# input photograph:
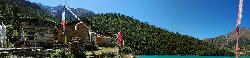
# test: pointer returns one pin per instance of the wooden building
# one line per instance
(36, 33)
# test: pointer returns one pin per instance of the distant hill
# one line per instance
(229, 38)
(57, 11)
(228, 41)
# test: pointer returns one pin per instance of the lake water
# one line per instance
(157, 56)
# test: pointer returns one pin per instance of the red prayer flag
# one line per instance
(63, 21)
(119, 38)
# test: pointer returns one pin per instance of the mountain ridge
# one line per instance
(56, 11)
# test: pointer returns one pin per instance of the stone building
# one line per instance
(80, 31)
(46, 34)
(104, 39)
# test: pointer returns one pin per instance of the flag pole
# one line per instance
(64, 29)
(236, 47)
(237, 27)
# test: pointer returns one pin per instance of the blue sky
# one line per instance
(198, 18)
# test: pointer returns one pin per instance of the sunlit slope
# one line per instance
(146, 39)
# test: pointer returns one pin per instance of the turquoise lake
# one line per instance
(157, 56)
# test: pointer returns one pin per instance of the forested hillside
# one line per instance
(146, 39)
